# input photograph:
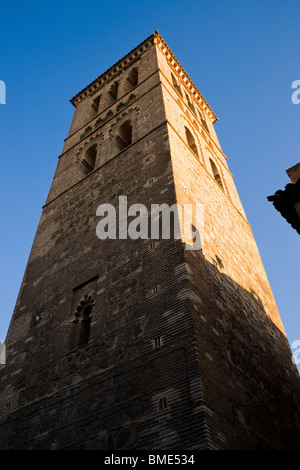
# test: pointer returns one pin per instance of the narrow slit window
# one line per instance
(124, 135)
(154, 290)
(157, 342)
(162, 403)
(37, 319)
(191, 141)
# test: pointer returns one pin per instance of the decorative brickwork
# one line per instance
(141, 343)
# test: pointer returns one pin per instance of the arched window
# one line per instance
(81, 323)
(216, 173)
(190, 104)
(203, 121)
(124, 135)
(175, 84)
(205, 125)
(89, 160)
(191, 141)
(113, 92)
(95, 104)
(133, 78)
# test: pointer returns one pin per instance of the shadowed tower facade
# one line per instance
(145, 342)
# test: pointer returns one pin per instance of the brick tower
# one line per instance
(142, 342)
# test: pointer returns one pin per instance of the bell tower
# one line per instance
(125, 337)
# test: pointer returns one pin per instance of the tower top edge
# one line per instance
(109, 72)
(129, 59)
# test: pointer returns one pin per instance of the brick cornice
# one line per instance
(183, 75)
(132, 57)
(114, 70)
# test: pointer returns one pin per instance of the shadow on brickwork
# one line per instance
(249, 380)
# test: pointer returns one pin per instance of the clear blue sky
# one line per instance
(243, 56)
